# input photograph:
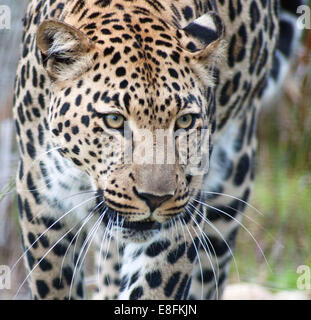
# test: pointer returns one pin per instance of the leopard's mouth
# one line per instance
(145, 225)
(113, 218)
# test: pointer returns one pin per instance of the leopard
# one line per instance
(136, 127)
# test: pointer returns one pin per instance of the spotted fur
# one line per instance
(150, 62)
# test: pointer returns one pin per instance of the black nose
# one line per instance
(153, 201)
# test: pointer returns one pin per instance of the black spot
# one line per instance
(42, 288)
(58, 284)
(123, 84)
(31, 150)
(134, 278)
(192, 251)
(116, 58)
(254, 15)
(120, 71)
(32, 188)
(175, 56)
(238, 143)
(105, 31)
(173, 73)
(80, 289)
(154, 279)
(96, 96)
(45, 265)
(28, 211)
(59, 250)
(75, 130)
(182, 287)
(67, 137)
(76, 162)
(171, 284)
(65, 107)
(127, 100)
(67, 92)
(85, 120)
(220, 247)
(51, 224)
(187, 12)
(78, 100)
(207, 276)
(136, 293)
(176, 86)
(30, 259)
(103, 3)
(44, 241)
(97, 77)
(76, 150)
(157, 247)
(68, 274)
(174, 255)
(242, 170)
(108, 51)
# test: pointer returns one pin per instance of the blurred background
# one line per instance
(282, 192)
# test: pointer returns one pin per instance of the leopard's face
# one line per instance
(132, 111)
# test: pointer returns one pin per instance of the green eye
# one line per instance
(184, 122)
(114, 121)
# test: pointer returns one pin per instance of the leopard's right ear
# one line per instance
(203, 42)
(66, 50)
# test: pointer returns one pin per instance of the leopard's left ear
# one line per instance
(203, 39)
(66, 50)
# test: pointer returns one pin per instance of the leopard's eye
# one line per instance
(185, 121)
(114, 121)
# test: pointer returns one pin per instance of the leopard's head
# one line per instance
(132, 105)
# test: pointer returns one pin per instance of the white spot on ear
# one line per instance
(206, 21)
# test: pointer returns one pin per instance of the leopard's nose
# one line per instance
(152, 201)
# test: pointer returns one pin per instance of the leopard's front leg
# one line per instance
(54, 220)
(108, 259)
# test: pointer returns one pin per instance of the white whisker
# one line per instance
(198, 256)
(101, 249)
(235, 198)
(85, 221)
(221, 236)
(242, 225)
(208, 255)
(90, 235)
(28, 275)
(183, 230)
(109, 226)
(43, 233)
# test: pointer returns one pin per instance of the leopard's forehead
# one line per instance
(139, 66)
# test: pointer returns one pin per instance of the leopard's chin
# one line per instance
(130, 231)
(129, 235)
(140, 231)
